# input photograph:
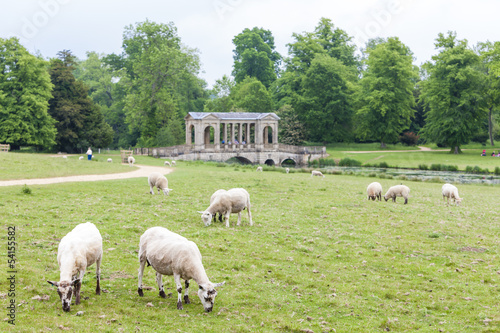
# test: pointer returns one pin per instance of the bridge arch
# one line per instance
(240, 159)
(269, 162)
(289, 162)
(209, 135)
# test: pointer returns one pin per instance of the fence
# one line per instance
(4, 148)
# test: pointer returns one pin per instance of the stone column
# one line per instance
(266, 132)
(217, 136)
(240, 132)
(188, 133)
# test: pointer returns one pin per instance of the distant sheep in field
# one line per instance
(317, 173)
(398, 191)
(158, 180)
(233, 201)
(65, 156)
(80, 158)
(173, 163)
(110, 160)
(287, 170)
(79, 249)
(171, 254)
(451, 191)
(259, 169)
(167, 163)
(374, 191)
(131, 160)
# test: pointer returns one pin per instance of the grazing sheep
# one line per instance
(173, 163)
(158, 180)
(80, 158)
(233, 201)
(374, 191)
(451, 191)
(397, 191)
(171, 254)
(212, 199)
(110, 160)
(131, 160)
(65, 156)
(167, 163)
(259, 169)
(317, 173)
(79, 249)
(287, 170)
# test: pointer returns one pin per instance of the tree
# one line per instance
(220, 99)
(291, 130)
(252, 96)
(386, 96)
(79, 120)
(255, 56)
(452, 92)
(25, 90)
(326, 106)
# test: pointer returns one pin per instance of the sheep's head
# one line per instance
(373, 197)
(386, 198)
(65, 291)
(458, 201)
(166, 191)
(207, 295)
(206, 217)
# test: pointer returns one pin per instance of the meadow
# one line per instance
(320, 257)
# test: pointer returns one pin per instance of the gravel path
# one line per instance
(142, 171)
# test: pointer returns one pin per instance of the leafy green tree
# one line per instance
(220, 99)
(252, 96)
(386, 96)
(291, 130)
(326, 106)
(80, 122)
(453, 93)
(25, 90)
(255, 56)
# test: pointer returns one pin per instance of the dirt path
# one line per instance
(142, 171)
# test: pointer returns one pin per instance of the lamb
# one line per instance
(287, 170)
(110, 160)
(233, 201)
(317, 173)
(131, 160)
(158, 180)
(80, 158)
(167, 163)
(398, 191)
(79, 249)
(173, 163)
(171, 254)
(259, 169)
(212, 199)
(451, 191)
(374, 191)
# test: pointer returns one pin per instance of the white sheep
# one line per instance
(234, 200)
(398, 191)
(173, 163)
(212, 199)
(167, 163)
(287, 170)
(79, 249)
(80, 158)
(65, 156)
(158, 180)
(259, 169)
(451, 191)
(374, 191)
(317, 173)
(131, 160)
(171, 254)
(110, 160)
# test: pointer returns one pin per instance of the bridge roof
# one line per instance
(232, 115)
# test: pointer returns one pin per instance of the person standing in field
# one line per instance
(89, 154)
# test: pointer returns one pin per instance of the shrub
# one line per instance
(497, 171)
(468, 169)
(26, 189)
(349, 162)
(383, 165)
(409, 138)
(436, 167)
(423, 167)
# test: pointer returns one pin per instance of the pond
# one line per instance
(423, 175)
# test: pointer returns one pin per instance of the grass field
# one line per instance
(319, 258)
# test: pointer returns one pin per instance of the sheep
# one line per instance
(287, 170)
(167, 163)
(161, 183)
(65, 156)
(451, 191)
(80, 158)
(79, 249)
(171, 254)
(259, 169)
(398, 191)
(173, 163)
(233, 201)
(110, 160)
(317, 173)
(212, 199)
(374, 191)
(131, 160)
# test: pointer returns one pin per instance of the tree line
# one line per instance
(324, 91)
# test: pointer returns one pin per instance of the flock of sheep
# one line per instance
(172, 254)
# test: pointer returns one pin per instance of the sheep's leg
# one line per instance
(141, 272)
(98, 276)
(249, 214)
(406, 201)
(151, 190)
(160, 285)
(239, 218)
(78, 285)
(226, 217)
(186, 293)
(177, 279)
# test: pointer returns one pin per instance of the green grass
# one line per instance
(319, 256)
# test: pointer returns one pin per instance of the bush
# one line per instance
(383, 165)
(409, 138)
(26, 189)
(497, 171)
(436, 167)
(327, 162)
(349, 162)
(423, 167)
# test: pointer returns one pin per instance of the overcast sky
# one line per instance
(49, 26)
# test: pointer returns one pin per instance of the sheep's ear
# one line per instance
(201, 212)
(219, 284)
(54, 283)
